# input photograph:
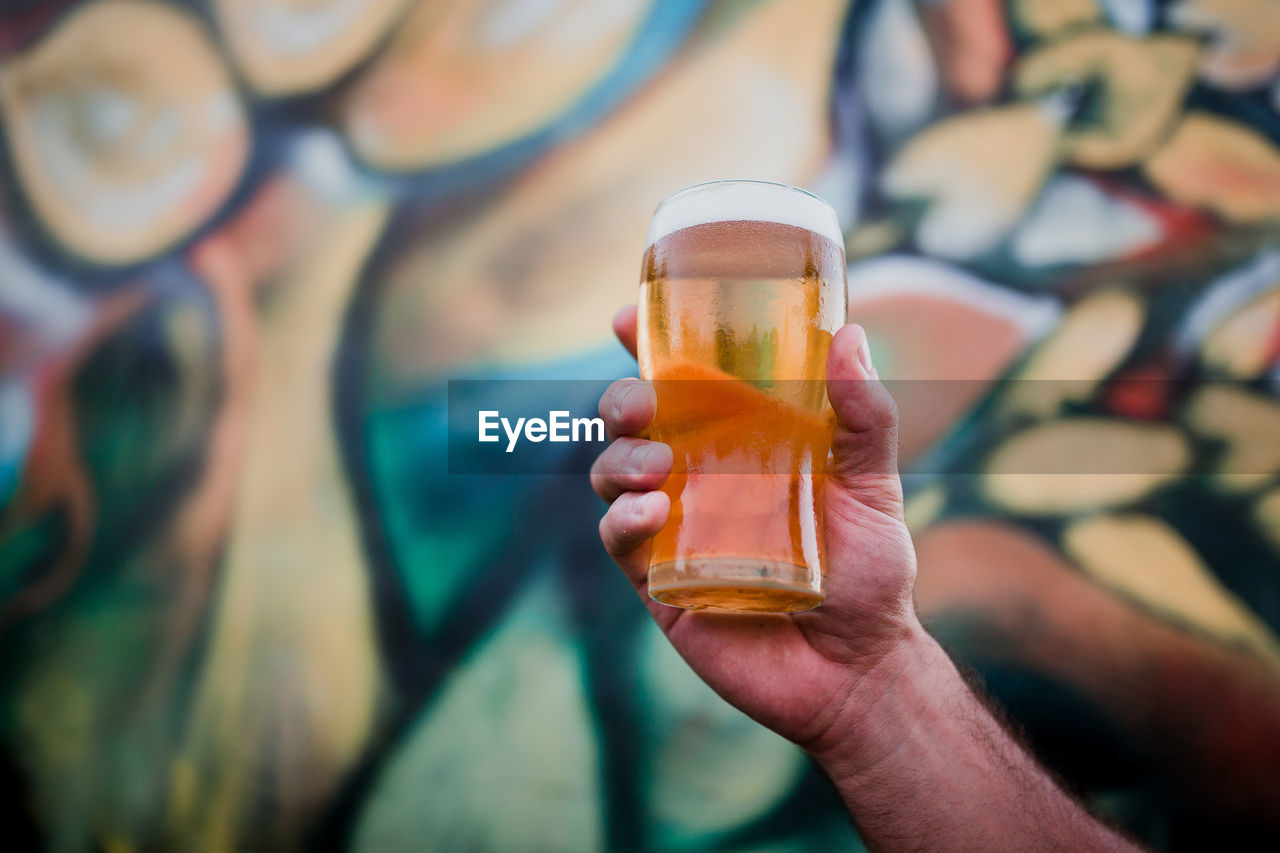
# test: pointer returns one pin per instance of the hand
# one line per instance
(796, 673)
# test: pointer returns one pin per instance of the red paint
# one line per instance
(1144, 392)
(1180, 225)
(971, 39)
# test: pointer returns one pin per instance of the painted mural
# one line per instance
(244, 245)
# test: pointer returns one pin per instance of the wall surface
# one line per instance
(244, 245)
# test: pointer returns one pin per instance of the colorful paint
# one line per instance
(244, 245)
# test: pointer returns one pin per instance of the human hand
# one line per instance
(797, 673)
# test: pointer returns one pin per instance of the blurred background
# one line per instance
(245, 243)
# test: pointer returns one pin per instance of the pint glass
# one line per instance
(743, 287)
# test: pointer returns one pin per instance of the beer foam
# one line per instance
(756, 201)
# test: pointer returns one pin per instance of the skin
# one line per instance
(836, 680)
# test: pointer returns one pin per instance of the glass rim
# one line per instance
(752, 200)
(703, 185)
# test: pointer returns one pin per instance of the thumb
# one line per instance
(864, 446)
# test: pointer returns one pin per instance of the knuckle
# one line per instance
(601, 468)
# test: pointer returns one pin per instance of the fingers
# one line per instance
(628, 406)
(865, 444)
(624, 326)
(629, 471)
(630, 465)
(632, 520)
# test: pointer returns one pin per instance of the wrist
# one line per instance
(866, 725)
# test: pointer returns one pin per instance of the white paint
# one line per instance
(841, 180)
(115, 207)
(39, 300)
(292, 29)
(508, 22)
(966, 225)
(903, 275)
(1226, 294)
(1076, 221)
(593, 22)
(1135, 17)
(109, 115)
(897, 75)
(322, 162)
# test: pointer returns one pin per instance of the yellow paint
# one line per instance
(182, 793)
(1146, 560)
(1266, 513)
(1145, 80)
(55, 715)
(1242, 345)
(712, 768)
(1077, 465)
(1221, 166)
(924, 507)
(872, 238)
(120, 195)
(505, 756)
(1045, 19)
(116, 844)
(539, 272)
(979, 170)
(1096, 335)
(1243, 48)
(190, 341)
(1248, 423)
(278, 69)
(462, 78)
(288, 694)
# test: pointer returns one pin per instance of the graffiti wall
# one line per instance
(244, 245)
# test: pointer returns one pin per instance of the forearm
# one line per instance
(922, 764)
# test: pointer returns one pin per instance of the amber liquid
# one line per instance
(735, 322)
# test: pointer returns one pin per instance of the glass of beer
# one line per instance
(742, 289)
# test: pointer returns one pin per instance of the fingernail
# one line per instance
(640, 456)
(620, 400)
(640, 506)
(864, 357)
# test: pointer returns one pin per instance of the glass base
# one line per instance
(735, 585)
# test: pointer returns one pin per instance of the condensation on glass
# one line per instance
(742, 289)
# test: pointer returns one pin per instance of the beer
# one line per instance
(742, 291)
